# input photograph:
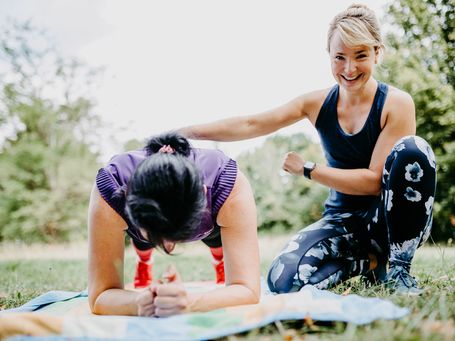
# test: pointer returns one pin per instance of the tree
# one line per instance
(420, 58)
(46, 123)
(284, 202)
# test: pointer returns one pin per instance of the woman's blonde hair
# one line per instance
(357, 25)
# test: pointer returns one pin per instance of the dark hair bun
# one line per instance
(172, 139)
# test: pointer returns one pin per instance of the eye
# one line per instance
(339, 58)
(361, 56)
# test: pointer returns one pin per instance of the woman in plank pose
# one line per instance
(165, 194)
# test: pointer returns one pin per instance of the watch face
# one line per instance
(307, 168)
(309, 165)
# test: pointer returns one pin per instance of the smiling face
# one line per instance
(352, 67)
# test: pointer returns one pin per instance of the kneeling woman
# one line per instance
(171, 193)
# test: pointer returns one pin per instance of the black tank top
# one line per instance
(349, 151)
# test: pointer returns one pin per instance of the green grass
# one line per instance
(431, 318)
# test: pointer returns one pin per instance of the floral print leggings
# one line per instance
(337, 247)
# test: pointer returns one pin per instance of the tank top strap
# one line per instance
(378, 103)
(328, 108)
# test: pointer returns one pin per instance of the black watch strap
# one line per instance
(308, 167)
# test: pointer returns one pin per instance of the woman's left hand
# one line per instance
(293, 163)
(171, 296)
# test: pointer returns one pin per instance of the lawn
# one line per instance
(28, 271)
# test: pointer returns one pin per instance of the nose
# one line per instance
(350, 67)
(169, 246)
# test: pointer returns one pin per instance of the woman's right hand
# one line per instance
(293, 163)
(145, 302)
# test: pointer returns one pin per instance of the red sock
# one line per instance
(217, 253)
(218, 263)
(144, 255)
(143, 277)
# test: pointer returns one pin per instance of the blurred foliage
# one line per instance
(420, 59)
(46, 123)
(284, 202)
(134, 144)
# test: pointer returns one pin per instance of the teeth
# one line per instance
(350, 79)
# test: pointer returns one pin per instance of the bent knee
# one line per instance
(280, 278)
(415, 145)
(412, 149)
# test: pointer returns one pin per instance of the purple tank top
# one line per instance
(218, 174)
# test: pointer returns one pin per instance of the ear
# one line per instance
(205, 189)
(376, 54)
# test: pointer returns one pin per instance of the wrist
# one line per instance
(308, 167)
(193, 302)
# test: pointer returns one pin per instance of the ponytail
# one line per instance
(177, 142)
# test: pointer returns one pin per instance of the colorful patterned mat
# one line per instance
(59, 315)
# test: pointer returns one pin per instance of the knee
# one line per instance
(278, 279)
(290, 271)
(284, 274)
(411, 149)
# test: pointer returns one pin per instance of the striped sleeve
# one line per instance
(111, 191)
(224, 186)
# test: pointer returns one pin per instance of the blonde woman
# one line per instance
(381, 176)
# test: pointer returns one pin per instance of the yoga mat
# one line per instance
(59, 315)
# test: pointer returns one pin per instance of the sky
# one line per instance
(173, 63)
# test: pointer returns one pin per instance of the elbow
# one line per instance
(374, 190)
(255, 299)
(254, 295)
(373, 184)
(97, 309)
(93, 302)
(246, 294)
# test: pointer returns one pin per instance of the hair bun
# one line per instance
(172, 139)
(358, 6)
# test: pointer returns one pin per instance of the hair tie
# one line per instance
(166, 149)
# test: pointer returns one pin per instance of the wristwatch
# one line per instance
(308, 167)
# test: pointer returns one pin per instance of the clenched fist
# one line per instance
(293, 163)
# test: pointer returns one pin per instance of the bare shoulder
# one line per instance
(399, 113)
(101, 214)
(241, 187)
(239, 205)
(398, 108)
(313, 102)
(399, 97)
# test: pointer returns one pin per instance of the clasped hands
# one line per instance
(165, 298)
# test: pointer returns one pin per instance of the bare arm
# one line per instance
(106, 252)
(237, 217)
(399, 122)
(241, 253)
(246, 127)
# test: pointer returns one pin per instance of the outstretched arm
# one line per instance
(246, 127)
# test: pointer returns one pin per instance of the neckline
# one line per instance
(370, 113)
